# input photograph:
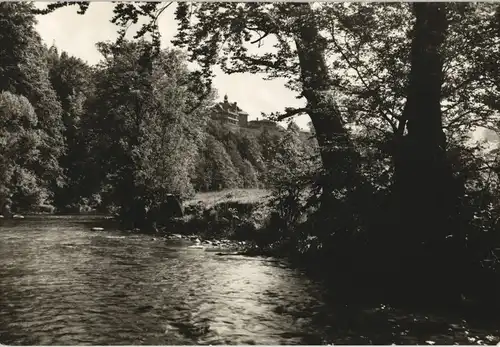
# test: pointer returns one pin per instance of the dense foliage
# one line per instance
(31, 108)
(119, 136)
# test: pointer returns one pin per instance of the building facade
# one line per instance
(229, 112)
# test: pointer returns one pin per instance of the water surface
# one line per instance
(63, 284)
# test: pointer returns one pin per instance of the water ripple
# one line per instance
(64, 284)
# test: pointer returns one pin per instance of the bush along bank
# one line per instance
(241, 220)
(227, 225)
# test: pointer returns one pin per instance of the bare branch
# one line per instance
(161, 11)
(262, 37)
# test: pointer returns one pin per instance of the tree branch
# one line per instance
(344, 56)
(262, 37)
(56, 5)
(289, 112)
(157, 15)
(261, 62)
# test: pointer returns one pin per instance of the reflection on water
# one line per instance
(62, 284)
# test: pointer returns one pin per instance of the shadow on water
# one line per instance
(65, 284)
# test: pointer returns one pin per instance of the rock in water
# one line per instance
(97, 229)
(18, 216)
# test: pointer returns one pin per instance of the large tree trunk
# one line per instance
(426, 194)
(339, 213)
(422, 169)
(335, 145)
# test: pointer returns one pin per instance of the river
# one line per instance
(63, 284)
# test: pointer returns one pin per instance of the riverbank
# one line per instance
(231, 219)
(243, 220)
(228, 220)
(238, 221)
(343, 299)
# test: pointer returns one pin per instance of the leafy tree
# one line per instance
(245, 151)
(72, 80)
(21, 142)
(269, 143)
(291, 176)
(24, 72)
(250, 175)
(251, 150)
(170, 139)
(216, 170)
(145, 126)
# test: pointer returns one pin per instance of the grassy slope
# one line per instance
(244, 196)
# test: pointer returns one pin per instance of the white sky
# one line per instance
(77, 35)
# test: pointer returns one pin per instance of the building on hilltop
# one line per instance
(228, 112)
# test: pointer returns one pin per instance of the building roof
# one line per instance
(228, 107)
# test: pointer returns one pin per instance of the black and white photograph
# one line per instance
(249, 173)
